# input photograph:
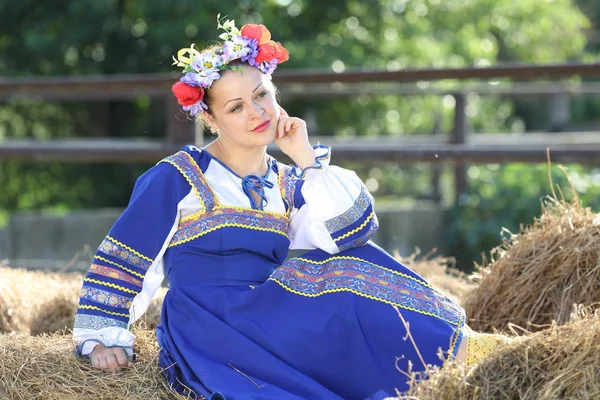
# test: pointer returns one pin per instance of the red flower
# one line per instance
(266, 52)
(271, 50)
(281, 53)
(258, 32)
(187, 95)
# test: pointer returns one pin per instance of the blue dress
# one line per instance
(240, 321)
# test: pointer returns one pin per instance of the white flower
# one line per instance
(235, 48)
(207, 61)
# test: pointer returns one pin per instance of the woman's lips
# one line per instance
(262, 126)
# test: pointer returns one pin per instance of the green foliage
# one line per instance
(119, 36)
(449, 33)
(60, 186)
(504, 197)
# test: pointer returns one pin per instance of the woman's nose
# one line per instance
(256, 110)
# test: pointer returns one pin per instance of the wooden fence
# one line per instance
(458, 147)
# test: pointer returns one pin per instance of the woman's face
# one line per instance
(244, 108)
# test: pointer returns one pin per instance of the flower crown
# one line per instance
(252, 44)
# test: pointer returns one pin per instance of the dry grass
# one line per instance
(46, 367)
(536, 276)
(26, 292)
(55, 316)
(560, 362)
(6, 320)
(37, 302)
(441, 273)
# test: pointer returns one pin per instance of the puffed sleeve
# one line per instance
(333, 210)
(127, 267)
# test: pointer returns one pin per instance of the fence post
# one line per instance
(181, 128)
(436, 168)
(459, 136)
(560, 112)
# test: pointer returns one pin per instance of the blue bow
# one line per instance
(257, 184)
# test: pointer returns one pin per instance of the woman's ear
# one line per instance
(210, 122)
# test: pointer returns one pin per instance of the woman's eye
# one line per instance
(234, 109)
(263, 94)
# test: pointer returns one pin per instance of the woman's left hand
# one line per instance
(292, 139)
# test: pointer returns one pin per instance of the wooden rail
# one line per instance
(565, 148)
(129, 86)
(460, 147)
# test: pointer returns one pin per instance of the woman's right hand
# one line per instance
(110, 358)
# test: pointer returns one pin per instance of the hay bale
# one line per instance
(560, 362)
(6, 320)
(46, 367)
(46, 302)
(55, 316)
(441, 273)
(26, 292)
(536, 276)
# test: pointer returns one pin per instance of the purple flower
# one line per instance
(235, 48)
(250, 57)
(196, 108)
(268, 66)
(203, 79)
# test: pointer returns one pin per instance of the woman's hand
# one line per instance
(292, 139)
(110, 358)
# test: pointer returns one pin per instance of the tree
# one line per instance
(127, 36)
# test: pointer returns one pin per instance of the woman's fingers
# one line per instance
(110, 359)
(289, 124)
(281, 127)
(101, 362)
(122, 358)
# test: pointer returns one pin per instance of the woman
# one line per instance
(239, 321)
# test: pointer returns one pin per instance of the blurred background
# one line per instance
(448, 124)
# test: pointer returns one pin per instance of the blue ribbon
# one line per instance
(256, 184)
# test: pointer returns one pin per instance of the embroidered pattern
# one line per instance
(359, 241)
(352, 215)
(368, 221)
(201, 224)
(307, 278)
(115, 274)
(118, 250)
(188, 167)
(105, 297)
(132, 272)
(94, 322)
(457, 335)
(112, 285)
(117, 314)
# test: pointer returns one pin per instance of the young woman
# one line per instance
(343, 321)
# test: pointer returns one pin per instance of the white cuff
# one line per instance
(108, 337)
(322, 159)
